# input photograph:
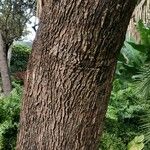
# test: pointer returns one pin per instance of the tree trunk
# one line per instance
(141, 12)
(5, 76)
(9, 53)
(70, 73)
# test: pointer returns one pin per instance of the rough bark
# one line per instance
(4, 69)
(70, 73)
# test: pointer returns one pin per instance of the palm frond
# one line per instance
(144, 83)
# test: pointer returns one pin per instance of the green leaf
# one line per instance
(139, 47)
(136, 143)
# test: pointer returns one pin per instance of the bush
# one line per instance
(123, 117)
(111, 142)
(9, 118)
(19, 59)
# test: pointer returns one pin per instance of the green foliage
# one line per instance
(133, 56)
(129, 63)
(125, 101)
(144, 33)
(144, 78)
(9, 118)
(144, 46)
(20, 56)
(112, 142)
(146, 126)
(14, 15)
(136, 143)
(129, 106)
(143, 83)
(10, 106)
(123, 116)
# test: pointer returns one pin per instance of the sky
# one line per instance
(31, 35)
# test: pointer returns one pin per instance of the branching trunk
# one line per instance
(70, 73)
(4, 70)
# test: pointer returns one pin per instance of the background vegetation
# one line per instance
(128, 111)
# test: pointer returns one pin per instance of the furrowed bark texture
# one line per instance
(70, 73)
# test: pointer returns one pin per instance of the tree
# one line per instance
(13, 18)
(70, 73)
(4, 68)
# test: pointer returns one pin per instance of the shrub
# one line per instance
(9, 118)
(19, 59)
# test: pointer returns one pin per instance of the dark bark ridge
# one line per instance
(70, 73)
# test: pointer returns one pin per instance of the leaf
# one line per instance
(136, 143)
(139, 47)
(139, 139)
